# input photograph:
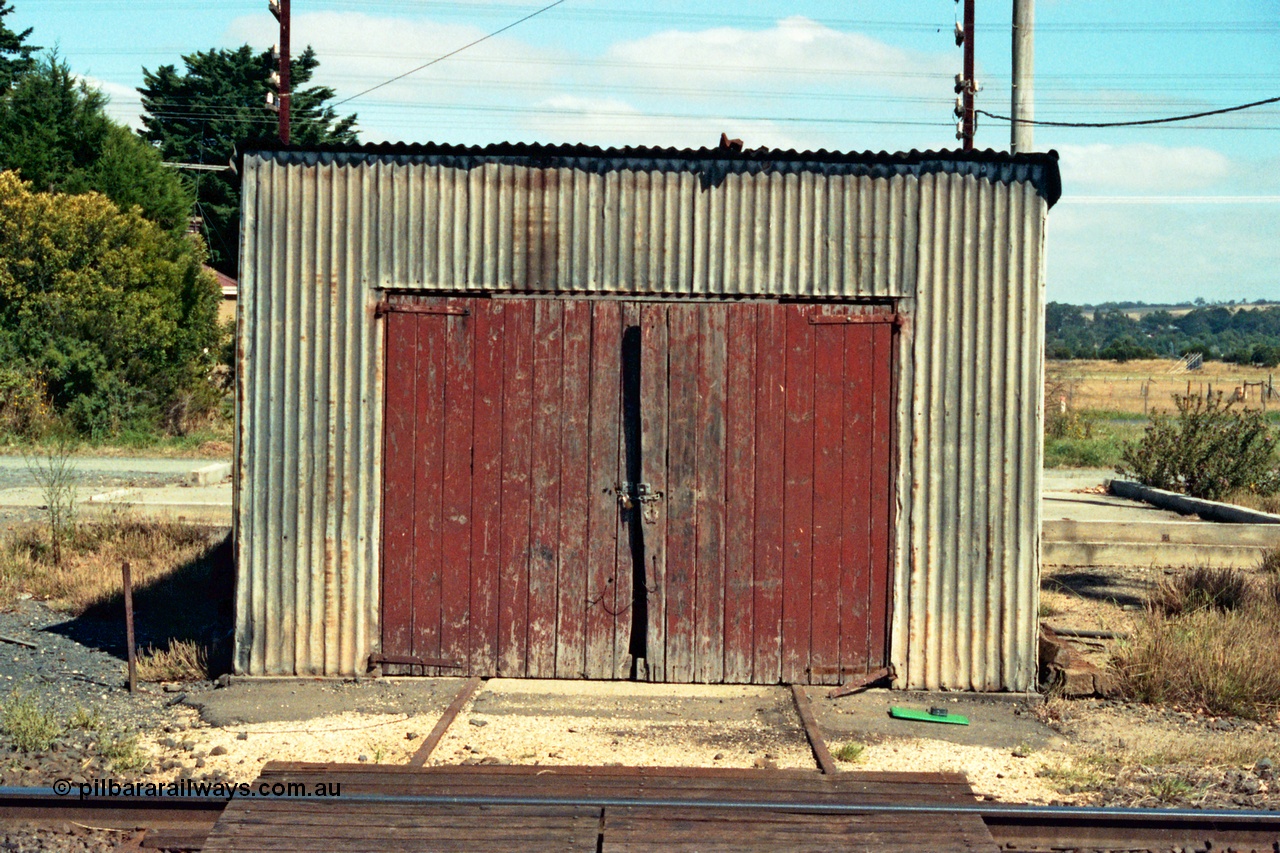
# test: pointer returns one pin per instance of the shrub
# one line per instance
(1207, 450)
(111, 312)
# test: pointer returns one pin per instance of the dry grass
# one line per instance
(181, 583)
(181, 660)
(1221, 661)
(1117, 387)
(1262, 503)
(1202, 588)
(90, 570)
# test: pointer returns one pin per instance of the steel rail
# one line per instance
(997, 811)
(1013, 827)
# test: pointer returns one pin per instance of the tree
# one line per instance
(218, 103)
(54, 131)
(113, 314)
(16, 57)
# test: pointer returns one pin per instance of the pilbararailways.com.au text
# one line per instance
(193, 788)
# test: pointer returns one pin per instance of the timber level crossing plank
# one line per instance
(607, 809)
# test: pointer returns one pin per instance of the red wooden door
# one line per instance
(769, 433)
(570, 483)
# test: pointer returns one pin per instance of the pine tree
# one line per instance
(16, 57)
(216, 104)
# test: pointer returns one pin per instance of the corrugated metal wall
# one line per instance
(958, 245)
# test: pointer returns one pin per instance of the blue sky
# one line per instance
(1158, 214)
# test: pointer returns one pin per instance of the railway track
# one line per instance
(182, 823)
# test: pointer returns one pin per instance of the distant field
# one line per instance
(1136, 387)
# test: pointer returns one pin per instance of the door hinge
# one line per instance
(386, 307)
(850, 319)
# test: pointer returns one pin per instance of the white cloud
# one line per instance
(124, 103)
(796, 51)
(1140, 167)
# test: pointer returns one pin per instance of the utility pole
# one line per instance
(966, 86)
(280, 100)
(1022, 110)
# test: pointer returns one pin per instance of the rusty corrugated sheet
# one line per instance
(957, 243)
(309, 424)
(971, 440)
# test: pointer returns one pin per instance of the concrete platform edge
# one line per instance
(1209, 510)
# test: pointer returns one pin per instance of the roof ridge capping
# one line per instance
(1038, 168)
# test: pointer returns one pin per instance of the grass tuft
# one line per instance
(121, 752)
(1202, 588)
(1270, 562)
(26, 725)
(181, 660)
(849, 752)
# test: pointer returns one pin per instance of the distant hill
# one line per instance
(1237, 332)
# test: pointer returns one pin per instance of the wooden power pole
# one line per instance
(280, 101)
(1022, 110)
(966, 86)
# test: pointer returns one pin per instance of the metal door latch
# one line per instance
(630, 494)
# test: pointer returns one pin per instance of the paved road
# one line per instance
(149, 485)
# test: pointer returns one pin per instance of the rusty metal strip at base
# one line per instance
(410, 660)
(862, 682)
(812, 732)
(468, 690)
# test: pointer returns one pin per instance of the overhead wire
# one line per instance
(1135, 123)
(442, 58)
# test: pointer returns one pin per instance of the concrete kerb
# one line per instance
(1208, 510)
(208, 475)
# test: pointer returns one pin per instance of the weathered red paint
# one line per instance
(769, 436)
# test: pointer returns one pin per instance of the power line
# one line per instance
(1133, 123)
(451, 53)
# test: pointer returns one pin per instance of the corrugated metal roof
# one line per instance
(1048, 181)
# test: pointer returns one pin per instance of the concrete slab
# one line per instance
(998, 721)
(250, 702)
(629, 700)
(1076, 506)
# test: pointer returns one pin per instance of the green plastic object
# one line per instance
(929, 716)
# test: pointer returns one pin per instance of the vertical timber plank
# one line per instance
(517, 431)
(575, 493)
(797, 499)
(459, 430)
(771, 434)
(709, 418)
(603, 558)
(828, 441)
(544, 526)
(397, 500)
(428, 482)
(740, 476)
(855, 591)
(654, 393)
(486, 488)
(882, 493)
(682, 479)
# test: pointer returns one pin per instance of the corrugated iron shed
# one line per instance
(953, 241)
